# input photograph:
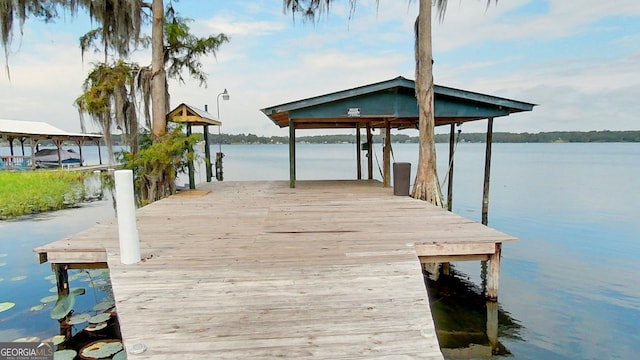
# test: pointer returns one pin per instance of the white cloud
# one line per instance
(271, 60)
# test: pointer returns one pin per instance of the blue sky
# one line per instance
(580, 61)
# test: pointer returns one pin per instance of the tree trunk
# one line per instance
(426, 185)
(158, 80)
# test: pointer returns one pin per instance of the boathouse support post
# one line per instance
(99, 151)
(386, 156)
(10, 145)
(79, 143)
(452, 139)
(126, 215)
(292, 154)
(192, 179)
(207, 152)
(358, 152)
(369, 152)
(33, 143)
(58, 144)
(487, 173)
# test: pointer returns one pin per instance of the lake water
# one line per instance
(570, 282)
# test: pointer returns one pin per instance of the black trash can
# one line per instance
(401, 178)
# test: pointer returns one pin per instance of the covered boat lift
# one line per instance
(390, 105)
(36, 131)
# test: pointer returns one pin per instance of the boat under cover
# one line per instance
(48, 158)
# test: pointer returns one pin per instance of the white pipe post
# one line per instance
(126, 209)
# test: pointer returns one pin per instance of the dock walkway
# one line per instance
(245, 270)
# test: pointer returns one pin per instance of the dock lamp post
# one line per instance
(219, 154)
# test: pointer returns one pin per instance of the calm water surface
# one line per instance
(570, 282)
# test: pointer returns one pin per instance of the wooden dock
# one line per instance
(245, 270)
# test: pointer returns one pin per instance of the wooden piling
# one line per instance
(493, 280)
(358, 152)
(487, 173)
(292, 154)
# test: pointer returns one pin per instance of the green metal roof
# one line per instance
(392, 100)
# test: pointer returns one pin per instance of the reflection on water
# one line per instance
(468, 326)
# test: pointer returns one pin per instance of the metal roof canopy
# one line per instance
(37, 130)
(191, 115)
(393, 101)
(188, 114)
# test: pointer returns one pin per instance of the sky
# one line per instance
(578, 60)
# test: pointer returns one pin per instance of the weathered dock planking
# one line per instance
(238, 270)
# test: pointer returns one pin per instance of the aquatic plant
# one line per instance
(101, 349)
(30, 192)
(4, 306)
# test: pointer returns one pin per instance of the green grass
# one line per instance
(29, 192)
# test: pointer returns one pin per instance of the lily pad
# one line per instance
(77, 291)
(79, 319)
(50, 277)
(66, 354)
(4, 306)
(100, 318)
(122, 355)
(48, 299)
(3, 255)
(3, 264)
(18, 278)
(1, 279)
(63, 306)
(77, 276)
(27, 339)
(101, 349)
(103, 305)
(96, 327)
(53, 289)
(37, 307)
(58, 339)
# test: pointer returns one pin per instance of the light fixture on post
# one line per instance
(220, 155)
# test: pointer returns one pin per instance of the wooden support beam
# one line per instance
(80, 152)
(452, 258)
(461, 248)
(292, 154)
(452, 140)
(99, 151)
(494, 274)
(207, 152)
(358, 152)
(386, 156)
(93, 265)
(487, 173)
(62, 278)
(192, 179)
(369, 152)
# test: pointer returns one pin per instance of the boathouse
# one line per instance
(387, 105)
(35, 132)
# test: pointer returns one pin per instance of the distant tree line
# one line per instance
(498, 137)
